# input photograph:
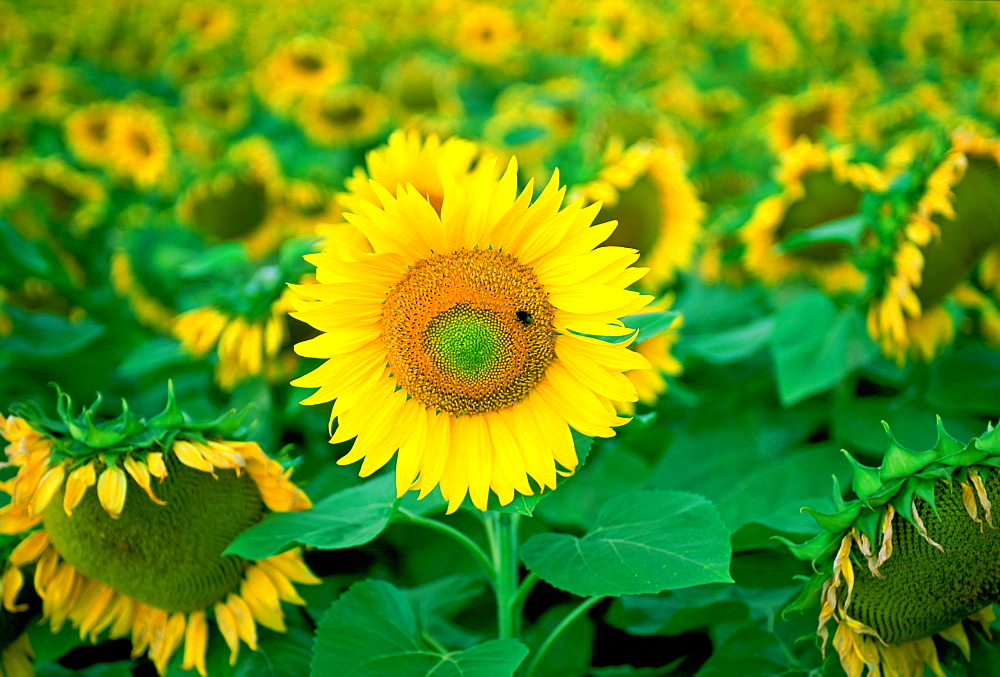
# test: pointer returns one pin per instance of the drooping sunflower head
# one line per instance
(819, 189)
(57, 198)
(937, 230)
(914, 555)
(141, 553)
(345, 114)
(409, 158)
(646, 190)
(455, 340)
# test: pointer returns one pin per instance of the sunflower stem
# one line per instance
(503, 528)
(578, 611)
(463, 540)
(527, 585)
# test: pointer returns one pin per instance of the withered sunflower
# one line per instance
(142, 555)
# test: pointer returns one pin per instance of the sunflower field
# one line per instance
(491, 339)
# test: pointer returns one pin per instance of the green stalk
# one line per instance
(463, 540)
(578, 611)
(502, 529)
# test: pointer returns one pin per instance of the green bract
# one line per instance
(80, 436)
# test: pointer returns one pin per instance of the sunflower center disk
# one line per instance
(468, 332)
(168, 556)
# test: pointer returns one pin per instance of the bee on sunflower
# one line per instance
(124, 524)
(458, 337)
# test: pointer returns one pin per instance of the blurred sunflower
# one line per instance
(344, 115)
(138, 145)
(912, 557)
(306, 65)
(208, 23)
(224, 103)
(245, 346)
(935, 247)
(407, 158)
(646, 190)
(820, 108)
(100, 558)
(423, 93)
(818, 186)
(454, 340)
(236, 200)
(486, 33)
(651, 383)
(148, 309)
(618, 29)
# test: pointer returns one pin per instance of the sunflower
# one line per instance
(819, 108)
(818, 186)
(306, 65)
(423, 93)
(141, 557)
(344, 114)
(208, 23)
(138, 145)
(224, 103)
(426, 164)
(651, 383)
(618, 29)
(530, 132)
(935, 247)
(645, 188)
(912, 557)
(38, 91)
(88, 130)
(245, 346)
(486, 34)
(148, 309)
(458, 338)
(237, 199)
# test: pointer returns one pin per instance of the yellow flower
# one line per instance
(426, 164)
(453, 340)
(645, 188)
(954, 224)
(141, 554)
(245, 347)
(88, 130)
(207, 23)
(618, 29)
(650, 383)
(808, 114)
(345, 114)
(225, 103)
(237, 199)
(149, 310)
(818, 186)
(138, 145)
(423, 93)
(306, 65)
(486, 33)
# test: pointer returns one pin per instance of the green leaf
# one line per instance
(643, 542)
(750, 652)
(570, 654)
(39, 334)
(677, 612)
(814, 346)
(952, 375)
(347, 519)
(372, 631)
(650, 324)
(731, 345)
(846, 230)
(23, 251)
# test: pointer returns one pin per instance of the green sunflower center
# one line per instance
(924, 590)
(468, 342)
(168, 556)
(639, 213)
(468, 332)
(229, 207)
